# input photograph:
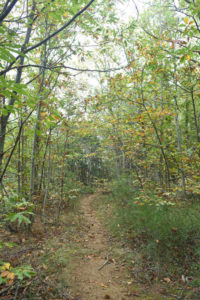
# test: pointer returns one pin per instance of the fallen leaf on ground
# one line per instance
(102, 285)
(8, 274)
(6, 266)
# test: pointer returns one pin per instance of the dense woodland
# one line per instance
(103, 95)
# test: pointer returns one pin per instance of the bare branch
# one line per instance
(137, 10)
(70, 68)
(6, 11)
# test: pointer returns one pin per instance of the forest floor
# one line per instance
(79, 259)
(96, 268)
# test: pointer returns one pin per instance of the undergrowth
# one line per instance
(164, 231)
(54, 263)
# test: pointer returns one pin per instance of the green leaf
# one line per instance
(24, 271)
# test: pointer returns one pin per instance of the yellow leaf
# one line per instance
(174, 229)
(186, 20)
(4, 273)
(166, 279)
(7, 245)
(65, 14)
(188, 57)
(6, 266)
(9, 282)
(44, 113)
(45, 267)
(11, 275)
(8, 274)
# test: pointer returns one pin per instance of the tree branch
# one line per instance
(6, 12)
(15, 145)
(71, 68)
(137, 10)
(49, 37)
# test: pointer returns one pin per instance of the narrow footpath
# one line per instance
(97, 275)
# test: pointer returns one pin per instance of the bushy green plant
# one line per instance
(72, 190)
(9, 273)
(16, 209)
(123, 189)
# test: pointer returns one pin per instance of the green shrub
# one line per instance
(9, 273)
(16, 212)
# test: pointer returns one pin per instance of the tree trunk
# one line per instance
(4, 119)
(48, 181)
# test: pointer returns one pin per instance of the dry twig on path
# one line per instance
(105, 263)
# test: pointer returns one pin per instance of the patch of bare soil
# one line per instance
(97, 276)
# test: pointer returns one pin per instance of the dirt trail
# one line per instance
(90, 282)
